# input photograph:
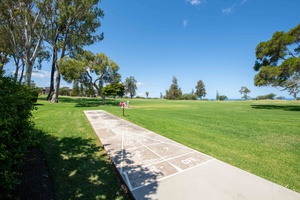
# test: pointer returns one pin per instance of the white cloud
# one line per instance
(243, 1)
(228, 10)
(139, 84)
(185, 23)
(194, 2)
(40, 74)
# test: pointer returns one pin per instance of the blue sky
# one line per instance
(209, 40)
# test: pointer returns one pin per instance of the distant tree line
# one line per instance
(175, 93)
(34, 31)
(268, 96)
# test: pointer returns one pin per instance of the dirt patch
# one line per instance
(35, 180)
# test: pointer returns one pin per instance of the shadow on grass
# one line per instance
(79, 169)
(88, 101)
(277, 107)
(38, 104)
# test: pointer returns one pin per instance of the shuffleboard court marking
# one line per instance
(127, 181)
(122, 152)
(161, 157)
(136, 140)
(141, 140)
(149, 164)
(174, 174)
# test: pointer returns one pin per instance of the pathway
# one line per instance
(154, 167)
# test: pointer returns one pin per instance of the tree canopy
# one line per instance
(130, 86)
(277, 60)
(71, 25)
(174, 91)
(245, 91)
(90, 69)
(30, 29)
(114, 89)
(21, 32)
(200, 89)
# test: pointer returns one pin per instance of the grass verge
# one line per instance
(78, 165)
(261, 137)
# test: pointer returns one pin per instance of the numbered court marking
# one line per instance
(141, 156)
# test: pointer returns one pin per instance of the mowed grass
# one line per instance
(78, 165)
(262, 137)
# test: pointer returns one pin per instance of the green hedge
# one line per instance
(16, 104)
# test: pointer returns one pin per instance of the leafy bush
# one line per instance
(35, 95)
(189, 97)
(223, 97)
(268, 96)
(16, 104)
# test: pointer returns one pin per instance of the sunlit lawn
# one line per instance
(262, 137)
(78, 165)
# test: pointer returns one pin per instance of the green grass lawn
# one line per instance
(262, 137)
(78, 164)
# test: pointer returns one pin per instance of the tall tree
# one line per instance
(130, 86)
(244, 91)
(217, 96)
(90, 69)
(174, 91)
(277, 60)
(71, 25)
(200, 89)
(22, 26)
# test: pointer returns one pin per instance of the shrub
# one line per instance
(188, 97)
(16, 104)
(223, 97)
(268, 96)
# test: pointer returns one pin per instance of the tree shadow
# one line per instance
(142, 181)
(277, 107)
(38, 104)
(88, 101)
(85, 101)
(79, 169)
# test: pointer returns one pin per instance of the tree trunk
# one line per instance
(21, 77)
(3, 57)
(103, 99)
(99, 89)
(57, 85)
(28, 73)
(54, 58)
(17, 68)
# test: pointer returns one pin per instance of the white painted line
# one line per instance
(213, 159)
(128, 182)
(171, 143)
(166, 177)
(165, 160)
(177, 168)
(122, 152)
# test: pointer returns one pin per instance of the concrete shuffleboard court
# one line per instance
(154, 167)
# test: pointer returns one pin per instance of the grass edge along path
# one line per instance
(78, 164)
(261, 137)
